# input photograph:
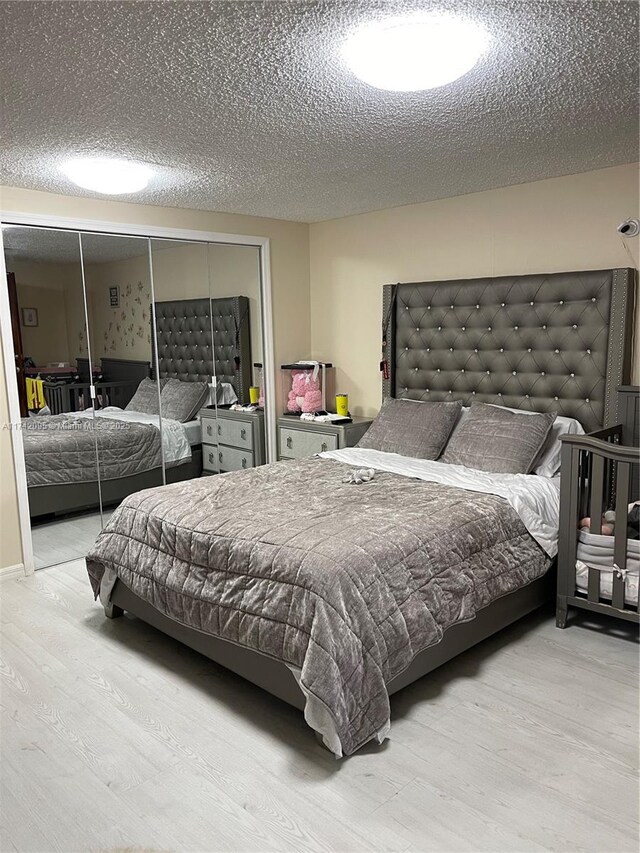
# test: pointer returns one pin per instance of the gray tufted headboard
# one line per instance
(184, 338)
(557, 341)
(232, 341)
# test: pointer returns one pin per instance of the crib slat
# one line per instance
(593, 585)
(623, 488)
(617, 597)
(597, 488)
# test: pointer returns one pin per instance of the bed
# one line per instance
(65, 450)
(63, 454)
(60, 455)
(333, 595)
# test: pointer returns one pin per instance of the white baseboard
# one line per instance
(16, 571)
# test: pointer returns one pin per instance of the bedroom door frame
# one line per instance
(64, 223)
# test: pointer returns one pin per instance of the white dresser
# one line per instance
(297, 439)
(231, 441)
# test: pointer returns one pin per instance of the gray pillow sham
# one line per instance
(182, 400)
(146, 398)
(495, 439)
(411, 428)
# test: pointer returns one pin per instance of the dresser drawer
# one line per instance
(232, 459)
(208, 427)
(210, 457)
(296, 443)
(235, 433)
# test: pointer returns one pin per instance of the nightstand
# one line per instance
(231, 440)
(297, 439)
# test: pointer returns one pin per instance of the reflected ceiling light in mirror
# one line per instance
(107, 175)
(415, 52)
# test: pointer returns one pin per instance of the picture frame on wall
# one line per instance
(29, 316)
(114, 296)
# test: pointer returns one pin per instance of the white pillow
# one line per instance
(548, 461)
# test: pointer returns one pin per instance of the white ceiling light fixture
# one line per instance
(415, 52)
(107, 175)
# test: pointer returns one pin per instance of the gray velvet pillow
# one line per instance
(410, 428)
(181, 400)
(146, 398)
(495, 439)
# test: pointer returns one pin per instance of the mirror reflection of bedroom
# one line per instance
(134, 367)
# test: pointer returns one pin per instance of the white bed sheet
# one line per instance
(174, 437)
(535, 499)
(192, 431)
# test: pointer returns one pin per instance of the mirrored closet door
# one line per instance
(185, 367)
(119, 292)
(139, 364)
(56, 373)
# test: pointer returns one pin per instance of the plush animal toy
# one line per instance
(607, 526)
(305, 394)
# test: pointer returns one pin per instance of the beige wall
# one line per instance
(42, 286)
(289, 269)
(561, 224)
(125, 331)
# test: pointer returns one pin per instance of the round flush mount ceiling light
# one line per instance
(107, 175)
(415, 52)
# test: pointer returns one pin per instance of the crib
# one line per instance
(598, 572)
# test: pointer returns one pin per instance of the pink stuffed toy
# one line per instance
(607, 524)
(305, 394)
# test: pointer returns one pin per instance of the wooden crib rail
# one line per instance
(603, 446)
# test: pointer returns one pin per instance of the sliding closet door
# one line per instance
(52, 330)
(185, 355)
(130, 439)
(234, 288)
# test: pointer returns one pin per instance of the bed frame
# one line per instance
(558, 342)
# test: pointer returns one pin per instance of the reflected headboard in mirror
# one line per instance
(555, 341)
(184, 339)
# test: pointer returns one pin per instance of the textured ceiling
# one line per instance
(62, 247)
(246, 106)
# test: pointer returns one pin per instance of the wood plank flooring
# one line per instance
(63, 539)
(115, 737)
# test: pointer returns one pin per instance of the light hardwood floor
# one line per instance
(116, 737)
(63, 539)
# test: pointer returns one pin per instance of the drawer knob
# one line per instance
(219, 430)
(211, 458)
(244, 462)
(323, 447)
(243, 434)
(208, 429)
(220, 458)
(289, 442)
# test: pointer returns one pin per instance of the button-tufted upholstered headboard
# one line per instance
(557, 341)
(184, 337)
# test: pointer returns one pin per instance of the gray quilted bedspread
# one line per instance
(346, 582)
(60, 449)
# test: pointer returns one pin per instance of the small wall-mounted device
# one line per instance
(629, 228)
